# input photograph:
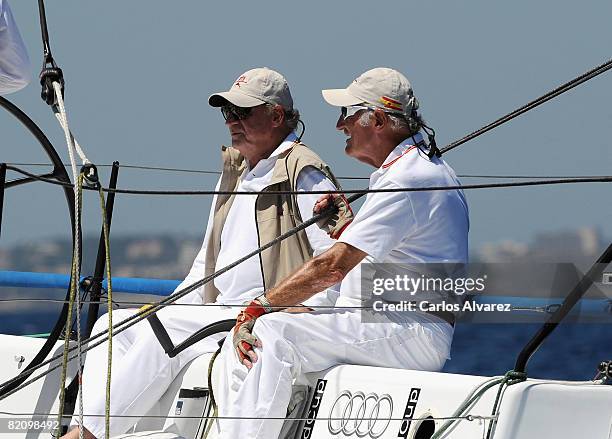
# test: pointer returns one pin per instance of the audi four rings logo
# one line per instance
(360, 414)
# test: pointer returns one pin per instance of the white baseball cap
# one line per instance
(256, 87)
(381, 87)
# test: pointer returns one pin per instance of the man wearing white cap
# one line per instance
(265, 156)
(14, 61)
(272, 350)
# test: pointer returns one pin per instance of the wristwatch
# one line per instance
(265, 302)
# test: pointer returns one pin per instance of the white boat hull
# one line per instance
(410, 404)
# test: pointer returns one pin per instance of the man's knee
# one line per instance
(278, 337)
(279, 325)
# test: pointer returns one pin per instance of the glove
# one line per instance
(334, 224)
(243, 339)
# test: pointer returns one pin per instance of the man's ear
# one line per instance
(380, 119)
(278, 116)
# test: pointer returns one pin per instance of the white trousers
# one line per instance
(141, 370)
(294, 344)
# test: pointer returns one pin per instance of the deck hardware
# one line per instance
(604, 371)
(19, 359)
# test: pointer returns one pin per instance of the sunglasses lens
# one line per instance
(352, 110)
(225, 112)
(243, 113)
(232, 112)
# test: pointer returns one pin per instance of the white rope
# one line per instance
(63, 120)
(73, 146)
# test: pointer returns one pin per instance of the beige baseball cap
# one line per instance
(256, 87)
(381, 87)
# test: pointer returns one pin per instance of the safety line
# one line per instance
(548, 309)
(438, 418)
(547, 182)
(198, 171)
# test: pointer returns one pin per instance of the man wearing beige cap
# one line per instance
(379, 116)
(266, 155)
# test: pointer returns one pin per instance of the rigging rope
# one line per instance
(547, 182)
(200, 171)
(109, 296)
(549, 308)
(73, 292)
(73, 146)
(511, 377)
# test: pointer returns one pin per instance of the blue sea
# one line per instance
(571, 352)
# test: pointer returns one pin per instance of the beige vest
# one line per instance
(275, 214)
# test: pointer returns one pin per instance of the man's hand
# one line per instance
(244, 340)
(334, 224)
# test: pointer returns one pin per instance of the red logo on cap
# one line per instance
(241, 80)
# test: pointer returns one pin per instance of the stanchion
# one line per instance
(95, 288)
(2, 183)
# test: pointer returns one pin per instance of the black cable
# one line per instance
(527, 176)
(125, 303)
(50, 72)
(200, 171)
(599, 179)
(2, 188)
(48, 58)
(299, 138)
(147, 168)
(530, 105)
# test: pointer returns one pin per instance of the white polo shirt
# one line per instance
(239, 234)
(14, 61)
(408, 227)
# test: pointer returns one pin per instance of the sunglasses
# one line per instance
(232, 112)
(352, 110)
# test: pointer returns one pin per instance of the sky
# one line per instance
(138, 74)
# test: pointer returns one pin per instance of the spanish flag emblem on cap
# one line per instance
(391, 103)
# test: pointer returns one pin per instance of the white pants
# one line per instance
(141, 370)
(294, 344)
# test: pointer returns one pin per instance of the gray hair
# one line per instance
(399, 122)
(292, 116)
